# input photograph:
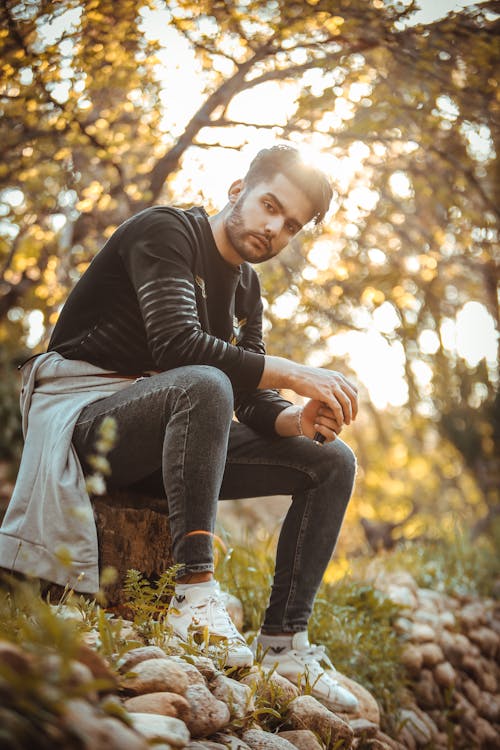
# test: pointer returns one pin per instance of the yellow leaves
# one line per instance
(106, 203)
(418, 468)
(336, 292)
(109, 230)
(337, 570)
(428, 274)
(372, 296)
(90, 196)
(398, 456)
(63, 153)
(133, 191)
(333, 25)
(403, 298)
(101, 124)
(84, 206)
(340, 272)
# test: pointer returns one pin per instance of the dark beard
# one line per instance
(237, 234)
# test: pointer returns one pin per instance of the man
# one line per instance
(168, 317)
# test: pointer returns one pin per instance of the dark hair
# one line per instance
(287, 160)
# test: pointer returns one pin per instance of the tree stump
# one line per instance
(132, 532)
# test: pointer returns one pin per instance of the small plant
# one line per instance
(149, 600)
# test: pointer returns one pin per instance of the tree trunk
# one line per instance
(132, 532)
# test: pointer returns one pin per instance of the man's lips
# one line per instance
(263, 241)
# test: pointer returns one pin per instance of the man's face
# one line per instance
(264, 218)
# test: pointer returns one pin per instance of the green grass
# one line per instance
(352, 619)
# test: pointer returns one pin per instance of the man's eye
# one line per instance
(291, 228)
(269, 206)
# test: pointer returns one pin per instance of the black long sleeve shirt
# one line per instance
(159, 295)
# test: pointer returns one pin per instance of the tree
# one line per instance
(87, 142)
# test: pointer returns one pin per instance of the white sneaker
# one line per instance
(200, 616)
(302, 665)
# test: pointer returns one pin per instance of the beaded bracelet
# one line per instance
(299, 422)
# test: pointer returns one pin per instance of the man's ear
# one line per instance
(235, 190)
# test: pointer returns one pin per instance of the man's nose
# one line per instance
(274, 225)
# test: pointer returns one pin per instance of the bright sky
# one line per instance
(377, 363)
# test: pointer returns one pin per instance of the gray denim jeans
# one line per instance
(177, 438)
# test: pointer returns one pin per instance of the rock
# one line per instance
(427, 692)
(375, 744)
(363, 728)
(157, 675)
(488, 706)
(164, 704)
(208, 715)
(487, 734)
(466, 711)
(391, 743)
(412, 658)
(172, 731)
(430, 600)
(368, 706)
(97, 664)
(75, 674)
(418, 728)
(203, 664)
(445, 675)
(447, 620)
(396, 578)
(194, 677)
(275, 690)
(305, 712)
(205, 745)
(230, 740)
(14, 658)
(480, 670)
(96, 731)
(423, 616)
(407, 739)
(403, 625)
(303, 739)
(257, 739)
(421, 632)
(401, 595)
(138, 655)
(236, 695)
(473, 615)
(471, 691)
(455, 646)
(486, 639)
(432, 654)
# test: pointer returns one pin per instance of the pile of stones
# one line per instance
(170, 699)
(451, 653)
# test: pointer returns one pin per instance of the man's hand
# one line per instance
(317, 417)
(330, 388)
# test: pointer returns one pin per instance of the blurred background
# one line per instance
(111, 107)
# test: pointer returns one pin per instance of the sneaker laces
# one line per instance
(312, 657)
(216, 616)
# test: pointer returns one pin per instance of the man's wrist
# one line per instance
(279, 373)
(289, 422)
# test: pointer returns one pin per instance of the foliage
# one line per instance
(34, 692)
(351, 618)
(455, 565)
(405, 117)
